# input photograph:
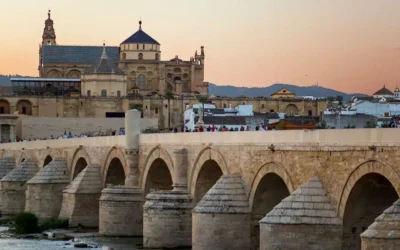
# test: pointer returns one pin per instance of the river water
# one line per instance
(103, 242)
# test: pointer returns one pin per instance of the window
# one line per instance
(271, 110)
(49, 28)
(88, 93)
(137, 46)
(104, 93)
(1, 110)
(143, 46)
(123, 57)
(81, 104)
(118, 93)
(156, 110)
(142, 81)
(262, 105)
(48, 43)
(310, 113)
(24, 110)
(224, 105)
(157, 58)
(140, 56)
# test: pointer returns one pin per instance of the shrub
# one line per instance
(53, 224)
(25, 223)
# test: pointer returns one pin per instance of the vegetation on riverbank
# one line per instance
(28, 223)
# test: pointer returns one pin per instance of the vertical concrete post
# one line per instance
(132, 132)
(180, 170)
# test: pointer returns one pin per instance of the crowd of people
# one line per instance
(68, 135)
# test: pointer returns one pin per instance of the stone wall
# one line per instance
(44, 127)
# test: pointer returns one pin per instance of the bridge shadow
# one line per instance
(158, 177)
(209, 174)
(369, 197)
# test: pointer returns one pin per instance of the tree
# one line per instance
(339, 98)
(169, 95)
(202, 100)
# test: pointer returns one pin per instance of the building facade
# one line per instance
(139, 58)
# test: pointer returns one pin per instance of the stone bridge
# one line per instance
(317, 189)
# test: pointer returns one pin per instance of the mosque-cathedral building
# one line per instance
(101, 81)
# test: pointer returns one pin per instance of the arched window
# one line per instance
(104, 93)
(118, 93)
(157, 57)
(88, 93)
(142, 81)
(123, 57)
(140, 56)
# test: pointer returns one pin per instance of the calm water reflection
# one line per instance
(22, 244)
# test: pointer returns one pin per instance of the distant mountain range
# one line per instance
(316, 91)
(232, 91)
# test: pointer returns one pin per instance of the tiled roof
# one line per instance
(387, 225)
(227, 196)
(383, 91)
(77, 54)
(301, 120)
(213, 111)
(309, 204)
(267, 115)
(104, 66)
(223, 120)
(140, 37)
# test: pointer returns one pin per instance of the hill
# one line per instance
(232, 91)
(5, 79)
(316, 91)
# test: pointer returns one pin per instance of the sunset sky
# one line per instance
(348, 45)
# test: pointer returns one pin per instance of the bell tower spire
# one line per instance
(49, 34)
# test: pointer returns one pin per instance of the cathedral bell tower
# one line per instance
(49, 34)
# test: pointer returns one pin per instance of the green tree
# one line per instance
(169, 95)
(339, 98)
(202, 100)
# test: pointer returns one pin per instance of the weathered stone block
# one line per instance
(121, 211)
(167, 220)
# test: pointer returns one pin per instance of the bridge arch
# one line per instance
(80, 160)
(269, 187)
(370, 189)
(47, 160)
(208, 167)
(371, 166)
(157, 156)
(115, 168)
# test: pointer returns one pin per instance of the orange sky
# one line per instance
(353, 46)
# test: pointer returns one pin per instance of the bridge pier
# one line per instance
(221, 220)
(121, 207)
(80, 203)
(13, 187)
(121, 211)
(44, 194)
(167, 219)
(384, 233)
(304, 220)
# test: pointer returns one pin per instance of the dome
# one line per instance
(140, 37)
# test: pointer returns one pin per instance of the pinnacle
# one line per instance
(227, 196)
(387, 225)
(88, 181)
(55, 172)
(25, 171)
(309, 204)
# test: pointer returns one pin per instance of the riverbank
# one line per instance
(65, 239)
